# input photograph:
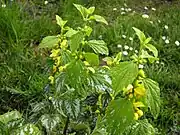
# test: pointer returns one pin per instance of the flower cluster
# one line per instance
(56, 56)
(125, 9)
(135, 92)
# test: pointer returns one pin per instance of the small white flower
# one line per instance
(151, 22)
(125, 53)
(153, 9)
(166, 27)
(3, 5)
(130, 38)
(119, 46)
(123, 36)
(167, 41)
(114, 9)
(130, 48)
(157, 62)
(141, 66)
(159, 21)
(122, 9)
(129, 9)
(146, 8)
(136, 51)
(125, 4)
(177, 43)
(46, 2)
(126, 47)
(122, 13)
(145, 16)
(164, 37)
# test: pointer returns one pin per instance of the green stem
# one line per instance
(66, 126)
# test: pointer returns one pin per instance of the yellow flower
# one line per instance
(86, 63)
(140, 113)
(61, 68)
(58, 61)
(140, 91)
(136, 116)
(64, 44)
(55, 52)
(51, 78)
(54, 68)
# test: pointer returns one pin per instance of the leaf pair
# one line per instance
(144, 43)
(87, 12)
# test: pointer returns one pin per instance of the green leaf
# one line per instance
(40, 106)
(15, 124)
(123, 75)
(152, 49)
(99, 46)
(50, 121)
(28, 129)
(49, 42)
(82, 126)
(72, 107)
(147, 40)
(141, 127)
(9, 116)
(118, 57)
(60, 21)
(91, 10)
(153, 96)
(75, 41)
(98, 18)
(140, 35)
(71, 32)
(151, 58)
(92, 58)
(118, 116)
(82, 10)
(15, 91)
(101, 131)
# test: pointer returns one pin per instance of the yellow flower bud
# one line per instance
(64, 44)
(58, 61)
(130, 95)
(51, 78)
(136, 116)
(86, 63)
(61, 68)
(55, 52)
(140, 113)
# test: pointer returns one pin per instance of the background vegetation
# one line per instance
(24, 69)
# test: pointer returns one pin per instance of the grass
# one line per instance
(23, 71)
(23, 68)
